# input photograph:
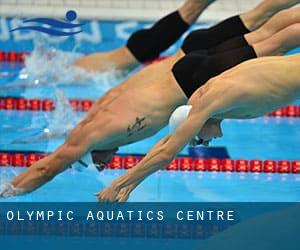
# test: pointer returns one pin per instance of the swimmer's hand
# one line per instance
(7, 190)
(109, 194)
(124, 194)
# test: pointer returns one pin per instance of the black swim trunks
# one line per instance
(195, 69)
(205, 39)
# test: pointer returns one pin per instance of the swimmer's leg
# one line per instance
(256, 17)
(151, 41)
(280, 21)
(279, 43)
(229, 34)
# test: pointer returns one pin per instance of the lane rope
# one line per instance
(26, 159)
(84, 105)
(11, 103)
(13, 56)
(19, 57)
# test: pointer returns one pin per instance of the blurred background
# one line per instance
(117, 9)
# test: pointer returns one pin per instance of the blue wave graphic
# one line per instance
(56, 26)
(54, 23)
(47, 30)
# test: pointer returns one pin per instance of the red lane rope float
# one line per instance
(13, 103)
(19, 57)
(85, 105)
(36, 104)
(13, 56)
(21, 159)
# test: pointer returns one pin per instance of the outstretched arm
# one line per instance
(209, 101)
(43, 171)
(78, 143)
(160, 156)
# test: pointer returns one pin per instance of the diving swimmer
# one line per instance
(136, 109)
(276, 83)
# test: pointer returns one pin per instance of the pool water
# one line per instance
(165, 186)
(263, 138)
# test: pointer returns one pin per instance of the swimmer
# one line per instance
(147, 44)
(138, 108)
(235, 94)
(278, 22)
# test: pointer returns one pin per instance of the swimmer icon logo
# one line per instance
(57, 27)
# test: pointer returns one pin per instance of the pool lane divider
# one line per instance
(183, 163)
(13, 56)
(36, 104)
(84, 105)
(8, 103)
(19, 57)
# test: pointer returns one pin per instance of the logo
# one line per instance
(57, 27)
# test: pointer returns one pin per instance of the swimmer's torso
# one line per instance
(143, 103)
(154, 90)
(260, 86)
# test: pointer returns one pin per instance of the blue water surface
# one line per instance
(263, 138)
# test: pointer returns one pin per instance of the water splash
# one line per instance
(59, 122)
(63, 119)
(8, 190)
(48, 66)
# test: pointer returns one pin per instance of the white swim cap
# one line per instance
(178, 117)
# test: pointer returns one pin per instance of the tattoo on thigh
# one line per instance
(137, 126)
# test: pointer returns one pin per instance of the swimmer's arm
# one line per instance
(160, 156)
(47, 168)
(119, 59)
